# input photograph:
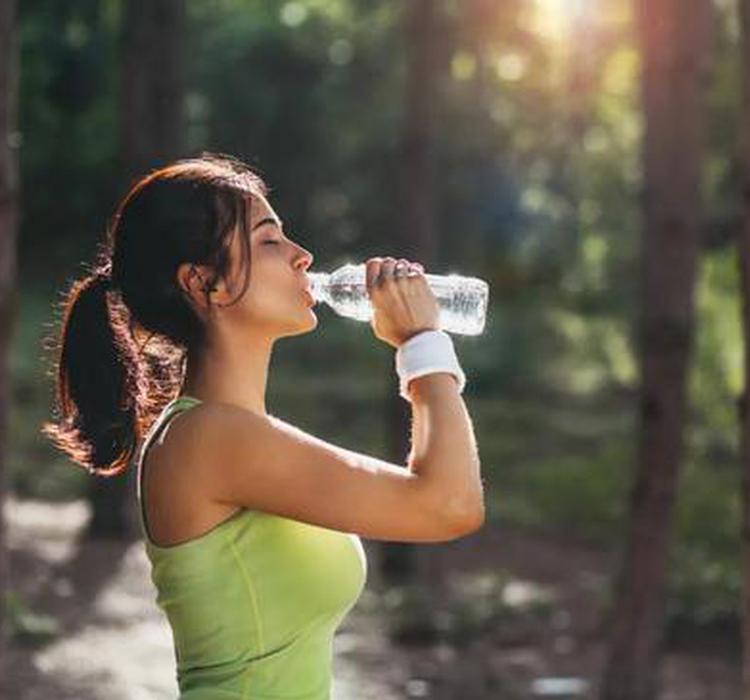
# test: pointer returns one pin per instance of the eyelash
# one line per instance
(271, 242)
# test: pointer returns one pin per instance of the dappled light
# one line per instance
(585, 159)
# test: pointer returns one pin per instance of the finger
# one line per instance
(416, 281)
(372, 268)
(386, 271)
(401, 269)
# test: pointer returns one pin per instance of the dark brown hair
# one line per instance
(126, 329)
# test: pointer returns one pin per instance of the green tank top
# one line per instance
(254, 602)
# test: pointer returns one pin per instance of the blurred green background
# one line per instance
(537, 192)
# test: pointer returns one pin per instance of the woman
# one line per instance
(251, 525)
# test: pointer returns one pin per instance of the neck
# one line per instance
(230, 370)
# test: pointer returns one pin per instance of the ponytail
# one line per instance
(97, 372)
(127, 329)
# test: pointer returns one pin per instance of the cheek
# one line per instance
(266, 297)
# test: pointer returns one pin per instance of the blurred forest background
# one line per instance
(534, 134)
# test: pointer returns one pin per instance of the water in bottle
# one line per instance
(462, 300)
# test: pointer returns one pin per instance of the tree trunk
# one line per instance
(151, 132)
(416, 238)
(9, 190)
(744, 403)
(673, 35)
(152, 84)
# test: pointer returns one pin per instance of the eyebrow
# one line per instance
(268, 220)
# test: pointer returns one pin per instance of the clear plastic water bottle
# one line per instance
(462, 300)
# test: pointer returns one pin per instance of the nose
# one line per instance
(305, 259)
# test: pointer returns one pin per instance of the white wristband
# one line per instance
(425, 353)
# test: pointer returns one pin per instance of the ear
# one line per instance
(193, 280)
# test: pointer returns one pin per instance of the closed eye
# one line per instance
(272, 242)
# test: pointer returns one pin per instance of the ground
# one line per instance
(518, 615)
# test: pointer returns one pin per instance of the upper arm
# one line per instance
(262, 463)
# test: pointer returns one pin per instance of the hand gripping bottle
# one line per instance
(462, 300)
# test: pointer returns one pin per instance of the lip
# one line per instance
(309, 297)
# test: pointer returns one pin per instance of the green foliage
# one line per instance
(706, 581)
(35, 469)
(24, 625)
(537, 191)
(585, 492)
(489, 603)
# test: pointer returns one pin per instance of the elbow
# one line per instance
(469, 522)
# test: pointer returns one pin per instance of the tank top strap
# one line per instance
(172, 409)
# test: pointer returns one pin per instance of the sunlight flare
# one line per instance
(554, 18)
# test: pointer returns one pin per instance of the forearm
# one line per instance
(444, 449)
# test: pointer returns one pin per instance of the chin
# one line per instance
(307, 323)
(312, 322)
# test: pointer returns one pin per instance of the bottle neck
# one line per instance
(319, 285)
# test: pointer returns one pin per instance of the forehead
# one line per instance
(261, 214)
(260, 209)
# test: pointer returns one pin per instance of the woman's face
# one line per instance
(277, 298)
(275, 303)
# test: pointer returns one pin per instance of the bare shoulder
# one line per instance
(178, 503)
